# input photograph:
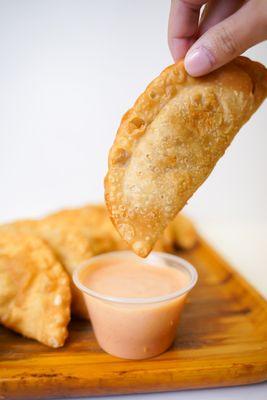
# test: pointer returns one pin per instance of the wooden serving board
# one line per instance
(221, 341)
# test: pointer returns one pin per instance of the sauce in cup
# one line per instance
(135, 304)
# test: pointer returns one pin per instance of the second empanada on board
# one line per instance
(169, 142)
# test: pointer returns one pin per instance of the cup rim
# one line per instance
(137, 300)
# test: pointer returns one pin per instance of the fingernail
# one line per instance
(179, 48)
(198, 62)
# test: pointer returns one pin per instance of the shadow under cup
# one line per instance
(136, 328)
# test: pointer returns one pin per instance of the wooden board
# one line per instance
(222, 340)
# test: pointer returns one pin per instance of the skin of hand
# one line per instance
(208, 34)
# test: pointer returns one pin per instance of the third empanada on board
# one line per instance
(169, 142)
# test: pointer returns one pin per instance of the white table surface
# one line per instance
(250, 392)
(245, 247)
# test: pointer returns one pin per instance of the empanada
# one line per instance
(76, 235)
(34, 289)
(169, 142)
(179, 234)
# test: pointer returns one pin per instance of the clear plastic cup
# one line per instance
(136, 328)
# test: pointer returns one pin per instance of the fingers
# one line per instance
(228, 39)
(183, 25)
(216, 11)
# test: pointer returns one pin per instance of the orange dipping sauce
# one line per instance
(135, 304)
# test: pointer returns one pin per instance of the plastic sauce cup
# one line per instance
(133, 327)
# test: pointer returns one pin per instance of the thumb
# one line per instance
(228, 39)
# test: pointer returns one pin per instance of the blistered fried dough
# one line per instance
(72, 248)
(21, 226)
(76, 235)
(184, 234)
(80, 233)
(169, 142)
(179, 234)
(34, 289)
(91, 221)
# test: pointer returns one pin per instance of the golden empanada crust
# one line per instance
(34, 289)
(76, 235)
(169, 142)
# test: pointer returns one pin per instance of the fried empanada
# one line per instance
(34, 289)
(184, 235)
(76, 235)
(92, 221)
(179, 234)
(169, 142)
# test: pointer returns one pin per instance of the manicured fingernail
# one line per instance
(198, 62)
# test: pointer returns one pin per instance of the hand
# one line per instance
(225, 29)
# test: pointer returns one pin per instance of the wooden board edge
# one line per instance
(52, 387)
(238, 276)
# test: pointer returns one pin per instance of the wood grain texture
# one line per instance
(221, 341)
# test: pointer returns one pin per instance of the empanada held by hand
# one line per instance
(170, 140)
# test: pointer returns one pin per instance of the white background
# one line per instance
(68, 71)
